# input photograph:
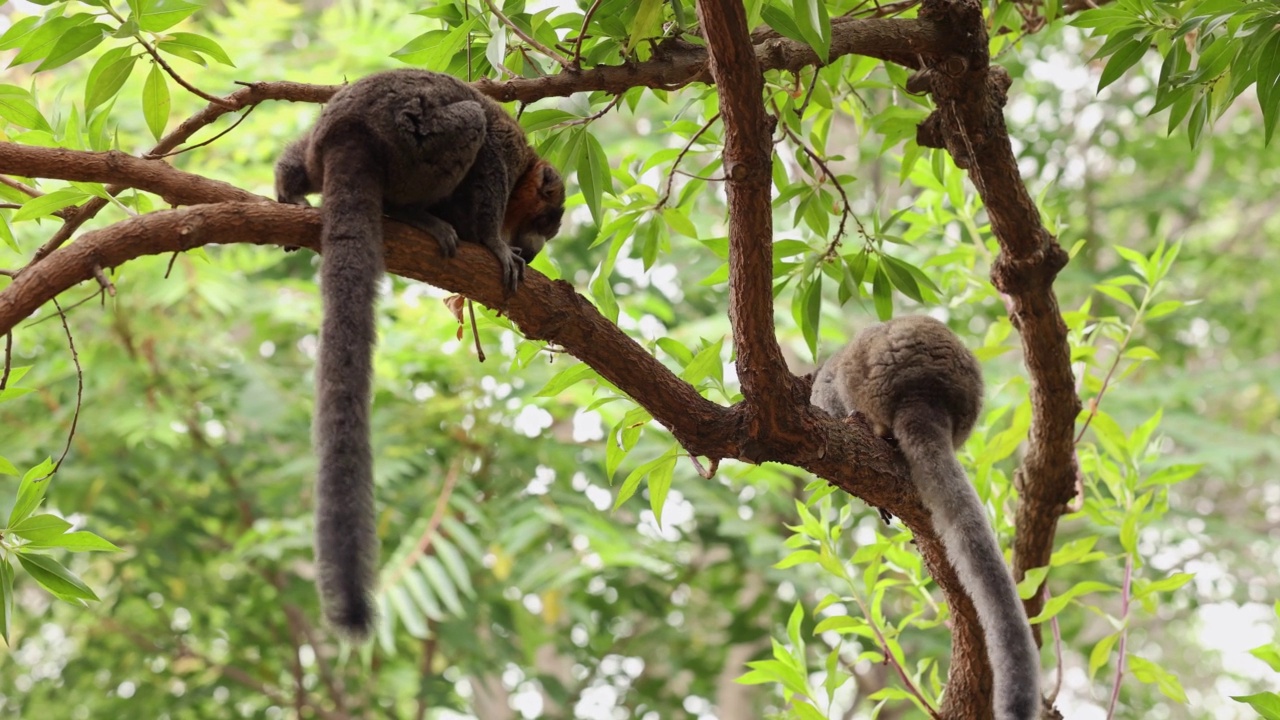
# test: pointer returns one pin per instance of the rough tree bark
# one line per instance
(947, 44)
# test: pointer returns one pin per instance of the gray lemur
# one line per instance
(913, 379)
(430, 151)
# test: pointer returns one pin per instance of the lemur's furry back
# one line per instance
(913, 379)
(428, 150)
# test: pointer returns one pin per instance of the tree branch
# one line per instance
(772, 397)
(969, 122)
(174, 186)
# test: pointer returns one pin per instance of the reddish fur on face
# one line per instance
(538, 190)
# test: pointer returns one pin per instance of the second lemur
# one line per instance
(913, 379)
(428, 150)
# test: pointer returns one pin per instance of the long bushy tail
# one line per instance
(346, 542)
(960, 520)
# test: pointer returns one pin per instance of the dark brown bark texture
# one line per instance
(947, 44)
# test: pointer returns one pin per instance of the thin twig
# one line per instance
(590, 118)
(475, 332)
(75, 417)
(155, 55)
(846, 210)
(169, 268)
(1096, 402)
(67, 309)
(703, 472)
(586, 20)
(560, 59)
(8, 359)
(104, 281)
(666, 194)
(189, 148)
(429, 535)
(1124, 636)
(428, 661)
(707, 178)
(891, 660)
(1057, 650)
(336, 691)
(20, 186)
(808, 95)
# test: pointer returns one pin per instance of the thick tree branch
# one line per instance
(773, 400)
(174, 186)
(969, 123)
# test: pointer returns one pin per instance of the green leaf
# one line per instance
(42, 40)
(418, 589)
(108, 75)
(814, 24)
(806, 711)
(158, 15)
(1268, 73)
(632, 482)
(38, 527)
(198, 44)
(414, 624)
(647, 23)
(1164, 308)
(679, 221)
(1031, 582)
(74, 43)
(705, 363)
(1171, 475)
(1100, 653)
(45, 205)
(453, 561)
(1196, 123)
(82, 541)
(6, 598)
(1266, 704)
(882, 295)
(1125, 58)
(593, 175)
(17, 34)
(811, 315)
(1169, 584)
(566, 379)
(1149, 672)
(1269, 654)
(56, 579)
(6, 467)
(800, 557)
(441, 584)
(659, 485)
(779, 20)
(900, 275)
(31, 491)
(155, 101)
(435, 49)
(676, 349)
(1117, 294)
(19, 107)
(535, 120)
(6, 236)
(1056, 603)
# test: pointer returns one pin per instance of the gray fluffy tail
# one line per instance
(346, 542)
(959, 518)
